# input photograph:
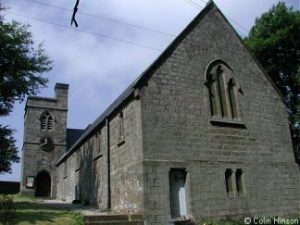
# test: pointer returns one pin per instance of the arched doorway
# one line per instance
(43, 184)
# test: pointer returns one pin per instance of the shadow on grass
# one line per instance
(43, 217)
(40, 214)
(37, 206)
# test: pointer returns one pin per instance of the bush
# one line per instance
(7, 210)
(78, 218)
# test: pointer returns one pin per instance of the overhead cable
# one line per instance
(105, 18)
(84, 31)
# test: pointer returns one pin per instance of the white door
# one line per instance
(178, 196)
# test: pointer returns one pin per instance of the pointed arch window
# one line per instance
(46, 121)
(223, 89)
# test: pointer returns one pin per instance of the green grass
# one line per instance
(29, 212)
(23, 198)
(221, 222)
(44, 218)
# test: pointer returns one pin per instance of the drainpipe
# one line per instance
(108, 164)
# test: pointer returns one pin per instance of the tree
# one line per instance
(275, 41)
(8, 149)
(21, 68)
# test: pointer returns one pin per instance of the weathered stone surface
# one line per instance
(178, 133)
(168, 127)
(34, 159)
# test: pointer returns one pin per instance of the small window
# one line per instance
(90, 145)
(121, 129)
(98, 142)
(65, 169)
(46, 121)
(229, 181)
(97, 148)
(78, 160)
(239, 177)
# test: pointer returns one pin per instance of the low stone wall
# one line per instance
(9, 187)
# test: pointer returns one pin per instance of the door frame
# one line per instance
(183, 172)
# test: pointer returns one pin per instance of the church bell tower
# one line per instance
(44, 141)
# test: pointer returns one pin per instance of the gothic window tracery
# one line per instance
(223, 89)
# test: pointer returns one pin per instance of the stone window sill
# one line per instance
(236, 195)
(242, 195)
(227, 122)
(231, 195)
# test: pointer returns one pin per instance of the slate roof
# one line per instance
(129, 92)
(72, 136)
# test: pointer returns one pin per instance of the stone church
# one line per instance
(203, 132)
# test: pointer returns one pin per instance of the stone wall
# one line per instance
(81, 172)
(170, 127)
(126, 164)
(178, 132)
(87, 166)
(34, 159)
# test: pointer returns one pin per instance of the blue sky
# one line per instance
(115, 41)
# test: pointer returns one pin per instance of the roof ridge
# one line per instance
(139, 80)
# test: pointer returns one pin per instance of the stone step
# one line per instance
(115, 223)
(114, 219)
(106, 218)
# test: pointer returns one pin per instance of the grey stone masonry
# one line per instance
(203, 132)
(179, 132)
(84, 174)
(35, 159)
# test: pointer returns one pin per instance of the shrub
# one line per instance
(7, 210)
(78, 218)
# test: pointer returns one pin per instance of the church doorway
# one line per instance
(178, 193)
(43, 184)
